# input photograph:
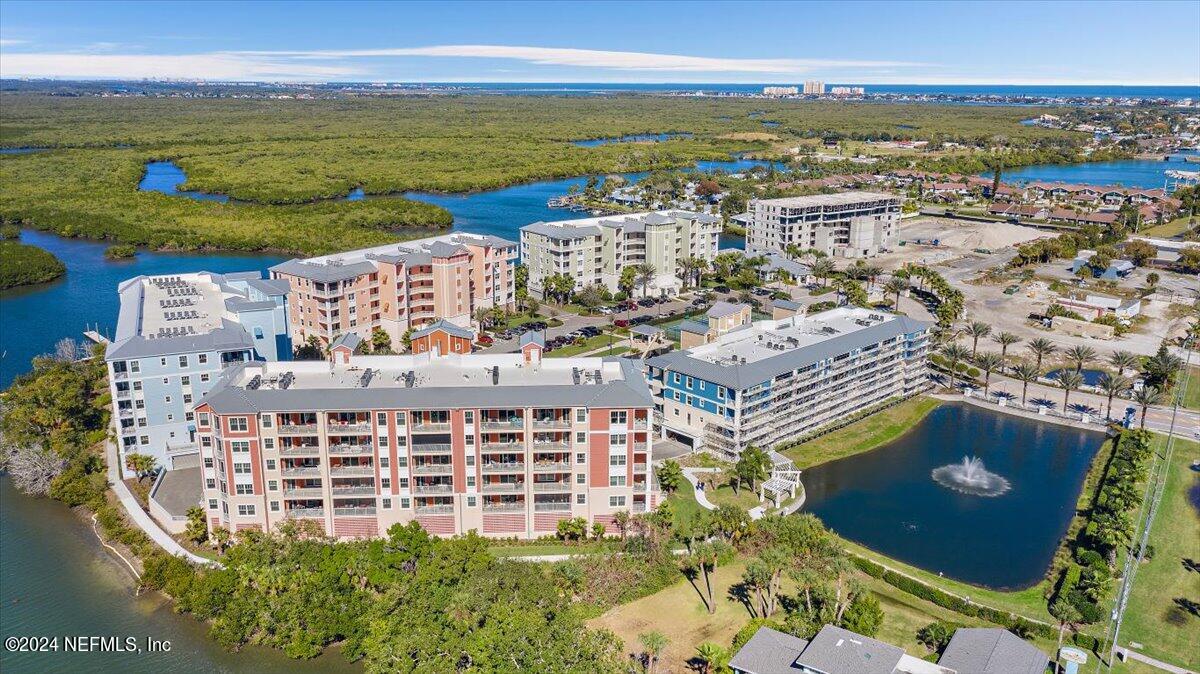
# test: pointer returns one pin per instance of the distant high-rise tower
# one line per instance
(814, 87)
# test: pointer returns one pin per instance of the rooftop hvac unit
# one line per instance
(254, 383)
(365, 380)
(495, 375)
(286, 380)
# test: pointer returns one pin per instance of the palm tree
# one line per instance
(655, 643)
(793, 251)
(1124, 360)
(1005, 340)
(988, 362)
(712, 656)
(645, 274)
(895, 286)
(1146, 397)
(1026, 373)
(482, 317)
(1041, 347)
(1069, 381)
(823, 269)
(1112, 385)
(976, 330)
(1079, 356)
(954, 353)
(873, 272)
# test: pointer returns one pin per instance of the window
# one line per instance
(470, 480)
(241, 467)
(470, 501)
(210, 483)
(204, 419)
(469, 416)
(162, 361)
(404, 503)
(167, 399)
(581, 415)
(137, 385)
(618, 440)
(245, 510)
(581, 499)
(581, 457)
(617, 460)
(272, 485)
(618, 418)
(470, 460)
(237, 424)
(144, 440)
(581, 438)
(244, 489)
(203, 358)
(386, 504)
(268, 443)
(258, 332)
(185, 380)
(266, 420)
(381, 418)
(207, 460)
(183, 361)
(402, 461)
(204, 377)
(470, 440)
(701, 384)
(274, 506)
(676, 379)
(720, 393)
(383, 440)
(401, 440)
(580, 478)
(616, 501)
(212, 504)
(135, 366)
(400, 418)
(383, 462)
(616, 481)
(688, 383)
(239, 446)
(270, 464)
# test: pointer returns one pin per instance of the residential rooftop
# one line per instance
(632, 222)
(838, 199)
(350, 264)
(752, 354)
(425, 381)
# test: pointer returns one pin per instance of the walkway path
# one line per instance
(1165, 666)
(139, 517)
(693, 476)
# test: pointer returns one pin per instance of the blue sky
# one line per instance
(867, 43)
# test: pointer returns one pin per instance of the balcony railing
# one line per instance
(351, 450)
(551, 447)
(300, 450)
(431, 448)
(503, 446)
(353, 490)
(639, 467)
(433, 488)
(120, 375)
(426, 427)
(503, 507)
(336, 427)
(640, 446)
(638, 507)
(302, 492)
(297, 429)
(123, 395)
(361, 511)
(553, 487)
(641, 424)
(301, 471)
(432, 468)
(552, 423)
(552, 507)
(502, 424)
(511, 467)
(126, 413)
(352, 471)
(296, 513)
(502, 487)
(434, 509)
(551, 465)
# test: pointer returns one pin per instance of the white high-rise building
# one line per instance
(815, 87)
(780, 91)
(849, 224)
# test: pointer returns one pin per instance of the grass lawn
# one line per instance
(684, 502)
(1167, 229)
(589, 344)
(1191, 397)
(744, 498)
(1151, 618)
(863, 435)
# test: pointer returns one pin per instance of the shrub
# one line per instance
(120, 251)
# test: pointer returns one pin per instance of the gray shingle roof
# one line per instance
(739, 377)
(533, 337)
(657, 219)
(559, 232)
(324, 273)
(786, 304)
(838, 651)
(991, 650)
(721, 309)
(646, 330)
(447, 326)
(768, 652)
(694, 327)
(230, 336)
(443, 249)
(350, 340)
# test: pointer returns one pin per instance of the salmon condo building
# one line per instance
(505, 445)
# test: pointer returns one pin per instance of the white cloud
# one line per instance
(217, 65)
(591, 58)
(11, 43)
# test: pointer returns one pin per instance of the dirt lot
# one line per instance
(956, 239)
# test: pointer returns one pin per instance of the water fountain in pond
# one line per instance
(970, 477)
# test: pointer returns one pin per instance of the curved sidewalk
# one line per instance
(693, 475)
(140, 518)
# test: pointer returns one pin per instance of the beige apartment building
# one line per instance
(398, 286)
(848, 224)
(505, 445)
(597, 250)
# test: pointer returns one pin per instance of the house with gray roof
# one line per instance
(174, 336)
(771, 381)
(991, 650)
(595, 251)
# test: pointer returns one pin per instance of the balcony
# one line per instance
(556, 507)
(639, 507)
(433, 489)
(338, 428)
(362, 511)
(502, 487)
(510, 467)
(301, 471)
(123, 395)
(639, 467)
(300, 450)
(641, 446)
(354, 490)
(551, 447)
(126, 413)
(515, 423)
(119, 376)
(430, 427)
(551, 465)
(552, 487)
(298, 513)
(503, 446)
(564, 423)
(297, 429)
(303, 492)
(503, 507)
(434, 509)
(352, 471)
(351, 450)
(431, 448)
(432, 468)
(641, 424)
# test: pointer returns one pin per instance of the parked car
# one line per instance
(484, 340)
(604, 311)
(646, 302)
(722, 289)
(621, 322)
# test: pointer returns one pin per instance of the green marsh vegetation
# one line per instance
(278, 158)
(22, 264)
